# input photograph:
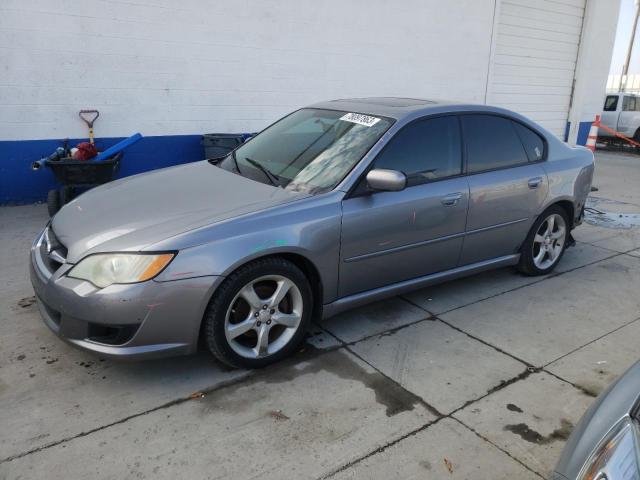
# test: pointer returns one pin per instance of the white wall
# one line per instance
(167, 67)
(534, 58)
(594, 59)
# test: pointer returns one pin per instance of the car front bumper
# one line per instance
(134, 321)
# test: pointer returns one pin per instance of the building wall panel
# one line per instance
(534, 61)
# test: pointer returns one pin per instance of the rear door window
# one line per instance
(611, 103)
(492, 143)
(532, 142)
(629, 104)
(425, 150)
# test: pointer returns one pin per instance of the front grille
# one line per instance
(52, 251)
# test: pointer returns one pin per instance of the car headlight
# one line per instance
(617, 456)
(106, 269)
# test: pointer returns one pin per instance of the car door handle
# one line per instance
(451, 199)
(535, 182)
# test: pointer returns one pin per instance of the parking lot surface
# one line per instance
(482, 377)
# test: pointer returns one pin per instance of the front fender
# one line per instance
(311, 230)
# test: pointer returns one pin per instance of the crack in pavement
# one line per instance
(591, 341)
(390, 331)
(169, 404)
(499, 448)
(380, 449)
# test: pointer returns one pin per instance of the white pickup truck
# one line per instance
(621, 112)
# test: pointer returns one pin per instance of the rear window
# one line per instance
(611, 103)
(491, 142)
(532, 142)
(629, 104)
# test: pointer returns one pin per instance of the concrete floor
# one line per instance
(477, 378)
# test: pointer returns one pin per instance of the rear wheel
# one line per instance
(259, 314)
(546, 242)
(53, 202)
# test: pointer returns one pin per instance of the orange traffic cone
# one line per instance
(593, 134)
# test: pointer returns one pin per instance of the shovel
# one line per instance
(88, 117)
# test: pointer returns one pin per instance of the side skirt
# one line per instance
(362, 298)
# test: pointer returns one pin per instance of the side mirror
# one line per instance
(386, 180)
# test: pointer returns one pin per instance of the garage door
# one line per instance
(535, 52)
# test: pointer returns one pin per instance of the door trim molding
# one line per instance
(498, 225)
(402, 248)
(358, 299)
(409, 246)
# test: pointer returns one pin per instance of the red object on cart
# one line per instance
(86, 151)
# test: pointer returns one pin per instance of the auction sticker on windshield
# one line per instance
(360, 119)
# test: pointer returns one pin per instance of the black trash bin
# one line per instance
(218, 145)
(74, 174)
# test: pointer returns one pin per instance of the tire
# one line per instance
(53, 202)
(66, 195)
(283, 323)
(532, 260)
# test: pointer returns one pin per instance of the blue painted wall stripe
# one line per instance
(583, 132)
(19, 184)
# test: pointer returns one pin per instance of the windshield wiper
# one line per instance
(235, 161)
(275, 181)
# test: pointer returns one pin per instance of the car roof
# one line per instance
(408, 109)
(399, 107)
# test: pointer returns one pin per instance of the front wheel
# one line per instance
(259, 314)
(546, 242)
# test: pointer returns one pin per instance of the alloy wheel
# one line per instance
(263, 316)
(549, 241)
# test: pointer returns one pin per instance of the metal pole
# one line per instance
(625, 67)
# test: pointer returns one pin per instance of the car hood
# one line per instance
(135, 212)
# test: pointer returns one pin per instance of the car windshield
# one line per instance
(309, 151)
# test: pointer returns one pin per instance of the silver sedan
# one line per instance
(333, 206)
